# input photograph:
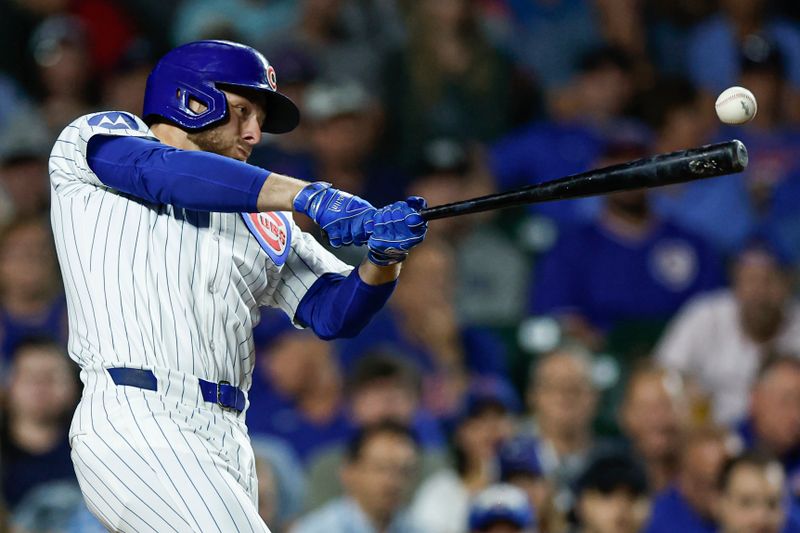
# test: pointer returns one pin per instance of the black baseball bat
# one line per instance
(664, 169)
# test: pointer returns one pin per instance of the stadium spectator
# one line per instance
(772, 140)
(491, 269)
(51, 507)
(296, 396)
(123, 87)
(381, 387)
(689, 504)
(348, 38)
(784, 219)
(12, 99)
(441, 505)
(31, 299)
(757, 194)
(752, 496)
(714, 44)
(773, 424)
(667, 23)
(612, 495)
(519, 466)
(449, 81)
(17, 24)
(654, 418)
(343, 129)
(589, 115)
(682, 117)
(627, 267)
(381, 460)
(282, 491)
(448, 170)
(288, 153)
(42, 394)
(501, 509)
(546, 37)
(723, 337)
(562, 402)
(67, 86)
(251, 21)
(24, 147)
(427, 331)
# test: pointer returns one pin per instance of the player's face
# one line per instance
(236, 137)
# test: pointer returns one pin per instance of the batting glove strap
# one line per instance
(347, 219)
(389, 257)
(308, 200)
(397, 228)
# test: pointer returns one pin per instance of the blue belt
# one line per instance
(222, 393)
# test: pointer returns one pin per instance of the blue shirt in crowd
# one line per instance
(484, 353)
(344, 515)
(545, 151)
(671, 512)
(23, 471)
(714, 60)
(705, 206)
(790, 460)
(273, 415)
(608, 279)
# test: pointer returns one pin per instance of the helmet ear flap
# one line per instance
(213, 105)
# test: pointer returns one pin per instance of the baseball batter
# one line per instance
(168, 244)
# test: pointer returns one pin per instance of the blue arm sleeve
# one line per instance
(161, 174)
(336, 306)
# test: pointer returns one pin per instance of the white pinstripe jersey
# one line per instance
(158, 286)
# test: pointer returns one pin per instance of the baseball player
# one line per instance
(168, 244)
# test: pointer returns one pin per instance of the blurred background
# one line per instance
(629, 363)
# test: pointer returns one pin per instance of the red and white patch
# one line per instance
(272, 229)
(272, 232)
(272, 78)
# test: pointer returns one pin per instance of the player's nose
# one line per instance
(251, 133)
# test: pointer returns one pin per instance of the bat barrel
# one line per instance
(655, 171)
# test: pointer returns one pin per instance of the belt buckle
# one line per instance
(219, 393)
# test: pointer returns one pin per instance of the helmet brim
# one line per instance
(282, 115)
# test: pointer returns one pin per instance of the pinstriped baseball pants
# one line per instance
(163, 461)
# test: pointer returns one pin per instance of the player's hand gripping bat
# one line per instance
(664, 169)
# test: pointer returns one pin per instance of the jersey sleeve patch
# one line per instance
(114, 120)
(273, 233)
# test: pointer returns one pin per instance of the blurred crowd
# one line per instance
(627, 363)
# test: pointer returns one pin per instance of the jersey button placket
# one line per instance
(213, 254)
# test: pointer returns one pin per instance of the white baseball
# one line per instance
(736, 105)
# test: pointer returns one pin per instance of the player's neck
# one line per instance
(173, 136)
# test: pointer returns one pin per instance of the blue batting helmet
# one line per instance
(197, 69)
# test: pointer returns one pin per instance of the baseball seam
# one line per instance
(733, 97)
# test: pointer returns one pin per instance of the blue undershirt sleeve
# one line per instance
(336, 306)
(161, 174)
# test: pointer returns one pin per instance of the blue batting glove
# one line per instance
(398, 228)
(347, 219)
